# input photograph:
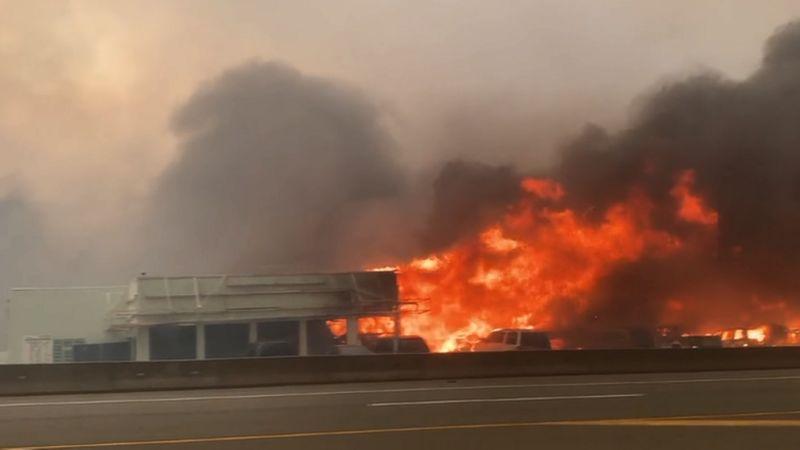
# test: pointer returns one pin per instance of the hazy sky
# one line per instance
(87, 88)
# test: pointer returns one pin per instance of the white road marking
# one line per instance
(509, 399)
(389, 391)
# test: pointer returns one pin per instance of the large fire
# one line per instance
(538, 261)
(686, 220)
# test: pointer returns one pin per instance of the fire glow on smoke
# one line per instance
(538, 264)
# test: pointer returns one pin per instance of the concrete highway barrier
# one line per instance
(30, 379)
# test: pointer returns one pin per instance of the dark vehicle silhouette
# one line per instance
(405, 344)
(700, 341)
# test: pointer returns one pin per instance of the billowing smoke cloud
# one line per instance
(277, 171)
(743, 141)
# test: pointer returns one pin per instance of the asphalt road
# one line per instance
(718, 410)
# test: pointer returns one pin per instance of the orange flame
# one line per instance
(757, 334)
(691, 207)
(538, 264)
(536, 260)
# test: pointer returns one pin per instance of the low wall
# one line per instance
(32, 379)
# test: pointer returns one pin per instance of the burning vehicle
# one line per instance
(763, 336)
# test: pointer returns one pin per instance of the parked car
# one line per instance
(700, 341)
(608, 338)
(405, 344)
(345, 349)
(514, 340)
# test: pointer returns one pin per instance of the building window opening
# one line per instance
(279, 338)
(173, 342)
(229, 340)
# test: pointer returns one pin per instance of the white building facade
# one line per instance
(195, 317)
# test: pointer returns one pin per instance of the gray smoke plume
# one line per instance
(277, 171)
(24, 255)
(22, 242)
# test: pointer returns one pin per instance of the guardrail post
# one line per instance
(352, 331)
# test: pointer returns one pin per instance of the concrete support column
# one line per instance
(253, 336)
(302, 345)
(397, 331)
(200, 341)
(143, 344)
(352, 331)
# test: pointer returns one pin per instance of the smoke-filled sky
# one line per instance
(129, 123)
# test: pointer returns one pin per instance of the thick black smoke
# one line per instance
(467, 196)
(277, 171)
(742, 139)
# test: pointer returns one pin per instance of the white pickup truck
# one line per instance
(513, 339)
